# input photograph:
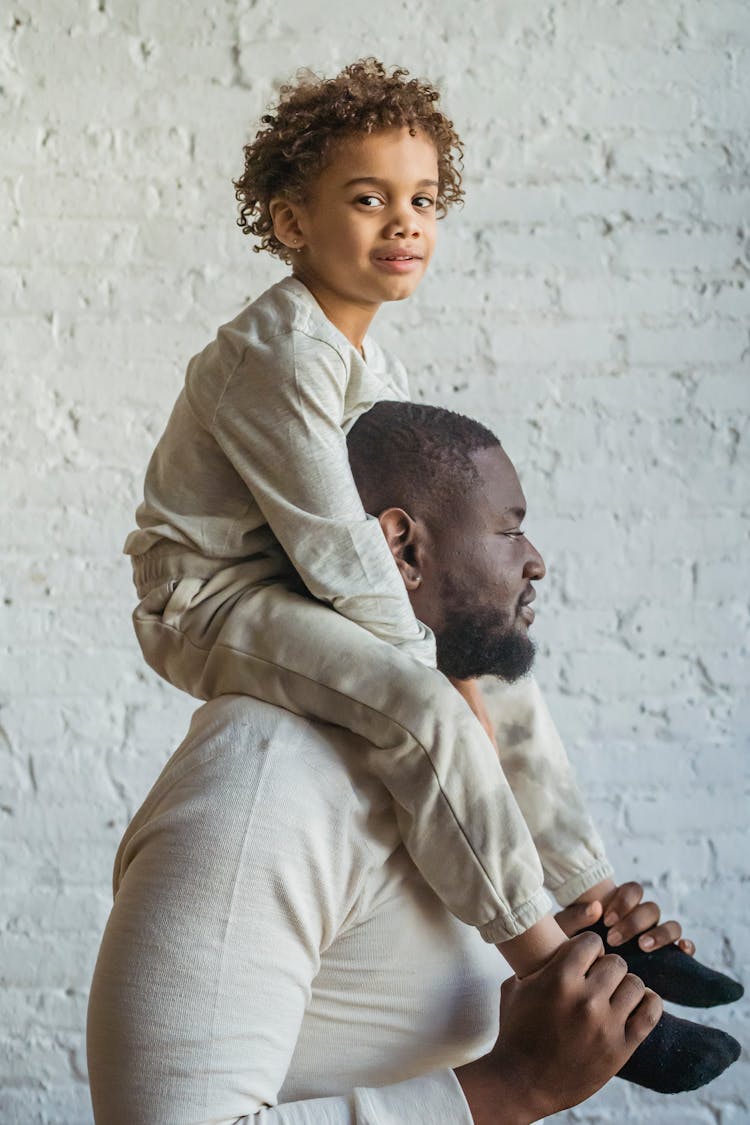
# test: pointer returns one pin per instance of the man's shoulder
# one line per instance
(240, 723)
(240, 749)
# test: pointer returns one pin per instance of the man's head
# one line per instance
(451, 507)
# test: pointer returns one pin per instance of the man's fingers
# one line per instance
(642, 917)
(643, 1019)
(687, 946)
(627, 994)
(578, 955)
(665, 934)
(606, 975)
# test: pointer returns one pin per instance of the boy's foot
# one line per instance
(680, 1055)
(674, 975)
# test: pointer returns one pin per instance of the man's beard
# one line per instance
(475, 643)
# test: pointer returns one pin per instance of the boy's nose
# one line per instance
(403, 224)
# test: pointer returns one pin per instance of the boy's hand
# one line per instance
(626, 915)
(655, 951)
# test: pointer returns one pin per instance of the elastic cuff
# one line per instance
(506, 926)
(420, 1101)
(575, 886)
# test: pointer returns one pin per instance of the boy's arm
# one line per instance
(278, 419)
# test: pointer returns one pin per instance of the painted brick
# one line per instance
(590, 302)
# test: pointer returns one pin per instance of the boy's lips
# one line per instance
(398, 261)
(391, 255)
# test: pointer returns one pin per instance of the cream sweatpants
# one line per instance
(247, 629)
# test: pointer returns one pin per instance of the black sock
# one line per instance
(674, 975)
(680, 1055)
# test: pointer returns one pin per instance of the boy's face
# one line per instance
(368, 229)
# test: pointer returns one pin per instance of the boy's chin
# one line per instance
(404, 289)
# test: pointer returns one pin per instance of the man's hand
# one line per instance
(626, 915)
(564, 1031)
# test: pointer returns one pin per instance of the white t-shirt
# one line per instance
(273, 952)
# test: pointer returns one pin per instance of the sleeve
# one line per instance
(543, 782)
(419, 1101)
(279, 420)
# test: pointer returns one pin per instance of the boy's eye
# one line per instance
(423, 202)
(369, 201)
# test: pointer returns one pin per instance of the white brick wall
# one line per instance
(591, 301)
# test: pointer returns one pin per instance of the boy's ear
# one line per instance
(285, 219)
(402, 536)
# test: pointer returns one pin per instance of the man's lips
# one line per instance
(524, 610)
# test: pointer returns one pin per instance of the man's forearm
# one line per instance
(496, 1097)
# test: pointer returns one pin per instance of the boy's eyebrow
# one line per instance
(381, 183)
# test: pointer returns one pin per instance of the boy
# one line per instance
(250, 506)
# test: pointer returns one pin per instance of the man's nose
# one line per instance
(534, 568)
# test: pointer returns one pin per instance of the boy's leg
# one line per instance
(458, 817)
(570, 848)
(543, 782)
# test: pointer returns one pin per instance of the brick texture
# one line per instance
(590, 302)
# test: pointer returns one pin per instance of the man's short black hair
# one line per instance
(416, 457)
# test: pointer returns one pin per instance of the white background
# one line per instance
(590, 303)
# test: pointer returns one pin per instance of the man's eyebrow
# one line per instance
(381, 183)
(518, 513)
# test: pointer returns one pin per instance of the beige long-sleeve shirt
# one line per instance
(255, 453)
(272, 950)
(254, 462)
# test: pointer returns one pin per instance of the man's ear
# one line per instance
(402, 534)
(285, 218)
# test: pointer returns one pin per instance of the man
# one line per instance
(274, 954)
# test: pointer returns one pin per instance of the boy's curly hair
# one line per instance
(315, 113)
